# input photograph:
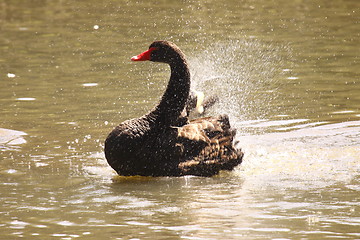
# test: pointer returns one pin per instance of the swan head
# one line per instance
(161, 51)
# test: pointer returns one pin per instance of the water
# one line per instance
(288, 76)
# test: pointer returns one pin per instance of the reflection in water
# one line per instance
(287, 186)
(287, 74)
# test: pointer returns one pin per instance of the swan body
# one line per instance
(164, 142)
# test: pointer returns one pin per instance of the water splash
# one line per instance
(309, 156)
(279, 152)
(243, 73)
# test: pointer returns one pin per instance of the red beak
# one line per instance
(145, 56)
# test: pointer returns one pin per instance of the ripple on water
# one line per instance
(17, 224)
(306, 155)
(65, 223)
(26, 99)
(90, 84)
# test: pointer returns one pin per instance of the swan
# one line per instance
(164, 142)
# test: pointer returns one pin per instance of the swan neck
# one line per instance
(174, 99)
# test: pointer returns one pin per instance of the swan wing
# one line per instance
(207, 146)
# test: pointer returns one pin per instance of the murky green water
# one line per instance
(288, 76)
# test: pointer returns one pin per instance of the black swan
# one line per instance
(159, 143)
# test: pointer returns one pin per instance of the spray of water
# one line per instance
(241, 73)
(294, 153)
